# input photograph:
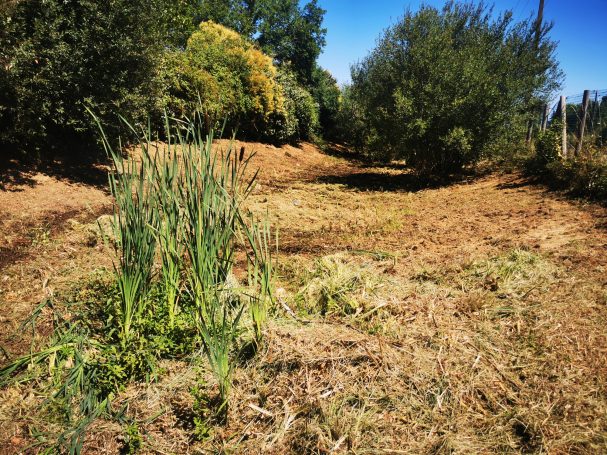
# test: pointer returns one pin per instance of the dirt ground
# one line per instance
(480, 326)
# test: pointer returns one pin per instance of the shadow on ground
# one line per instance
(380, 181)
(16, 174)
(395, 176)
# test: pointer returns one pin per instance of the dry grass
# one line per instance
(463, 319)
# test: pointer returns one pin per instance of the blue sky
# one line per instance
(580, 27)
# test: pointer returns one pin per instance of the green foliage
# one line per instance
(443, 87)
(299, 119)
(60, 57)
(133, 440)
(135, 221)
(212, 191)
(202, 418)
(327, 95)
(351, 127)
(291, 33)
(582, 176)
(115, 334)
(225, 76)
(169, 233)
(548, 144)
(239, 15)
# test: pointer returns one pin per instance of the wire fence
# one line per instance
(594, 113)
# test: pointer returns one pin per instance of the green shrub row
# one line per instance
(129, 58)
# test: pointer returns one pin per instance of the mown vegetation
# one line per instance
(453, 350)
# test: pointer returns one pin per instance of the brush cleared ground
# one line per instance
(467, 318)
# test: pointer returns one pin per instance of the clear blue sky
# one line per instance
(580, 27)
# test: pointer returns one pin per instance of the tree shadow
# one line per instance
(393, 176)
(403, 180)
(16, 174)
(515, 183)
(379, 181)
(93, 174)
(342, 151)
(358, 158)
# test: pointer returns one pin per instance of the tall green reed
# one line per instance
(215, 184)
(136, 219)
(169, 235)
(260, 274)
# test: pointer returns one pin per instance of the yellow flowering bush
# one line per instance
(225, 76)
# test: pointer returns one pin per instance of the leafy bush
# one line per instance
(225, 76)
(582, 176)
(442, 87)
(59, 57)
(327, 95)
(548, 144)
(351, 124)
(299, 119)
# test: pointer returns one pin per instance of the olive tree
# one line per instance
(445, 87)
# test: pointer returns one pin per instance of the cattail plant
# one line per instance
(260, 274)
(213, 188)
(136, 219)
(166, 183)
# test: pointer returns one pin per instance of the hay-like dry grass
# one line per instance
(468, 319)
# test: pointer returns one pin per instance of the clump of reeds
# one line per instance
(181, 202)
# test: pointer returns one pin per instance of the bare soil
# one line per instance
(441, 358)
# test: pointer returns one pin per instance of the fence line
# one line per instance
(586, 120)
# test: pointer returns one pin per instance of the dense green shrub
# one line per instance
(222, 74)
(351, 124)
(548, 144)
(59, 57)
(327, 95)
(299, 119)
(443, 87)
(585, 175)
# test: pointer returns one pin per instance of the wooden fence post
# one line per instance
(545, 115)
(563, 114)
(583, 114)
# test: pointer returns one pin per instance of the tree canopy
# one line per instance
(290, 33)
(60, 58)
(445, 87)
